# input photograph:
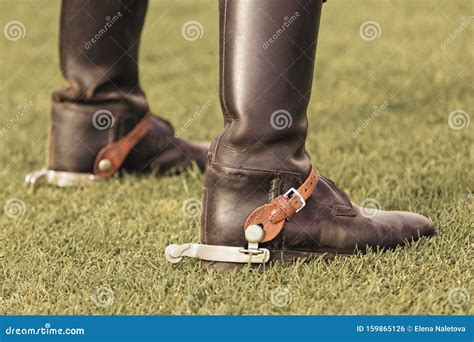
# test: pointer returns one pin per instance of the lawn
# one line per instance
(389, 122)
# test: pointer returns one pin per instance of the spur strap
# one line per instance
(110, 158)
(272, 216)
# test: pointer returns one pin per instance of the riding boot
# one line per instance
(263, 197)
(101, 122)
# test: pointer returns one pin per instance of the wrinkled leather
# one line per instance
(99, 43)
(252, 162)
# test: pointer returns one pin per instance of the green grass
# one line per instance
(69, 243)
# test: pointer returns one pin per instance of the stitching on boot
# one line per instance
(276, 173)
(214, 152)
(251, 145)
(276, 188)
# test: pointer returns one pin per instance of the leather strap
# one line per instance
(274, 214)
(117, 152)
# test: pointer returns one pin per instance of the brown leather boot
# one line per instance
(260, 176)
(101, 123)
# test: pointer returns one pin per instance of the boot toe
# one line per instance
(419, 224)
(401, 227)
(162, 152)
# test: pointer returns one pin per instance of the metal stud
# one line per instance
(105, 165)
(254, 233)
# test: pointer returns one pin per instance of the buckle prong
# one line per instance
(297, 194)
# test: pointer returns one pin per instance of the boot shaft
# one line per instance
(267, 60)
(99, 45)
(267, 53)
(103, 101)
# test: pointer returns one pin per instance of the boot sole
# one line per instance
(283, 257)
